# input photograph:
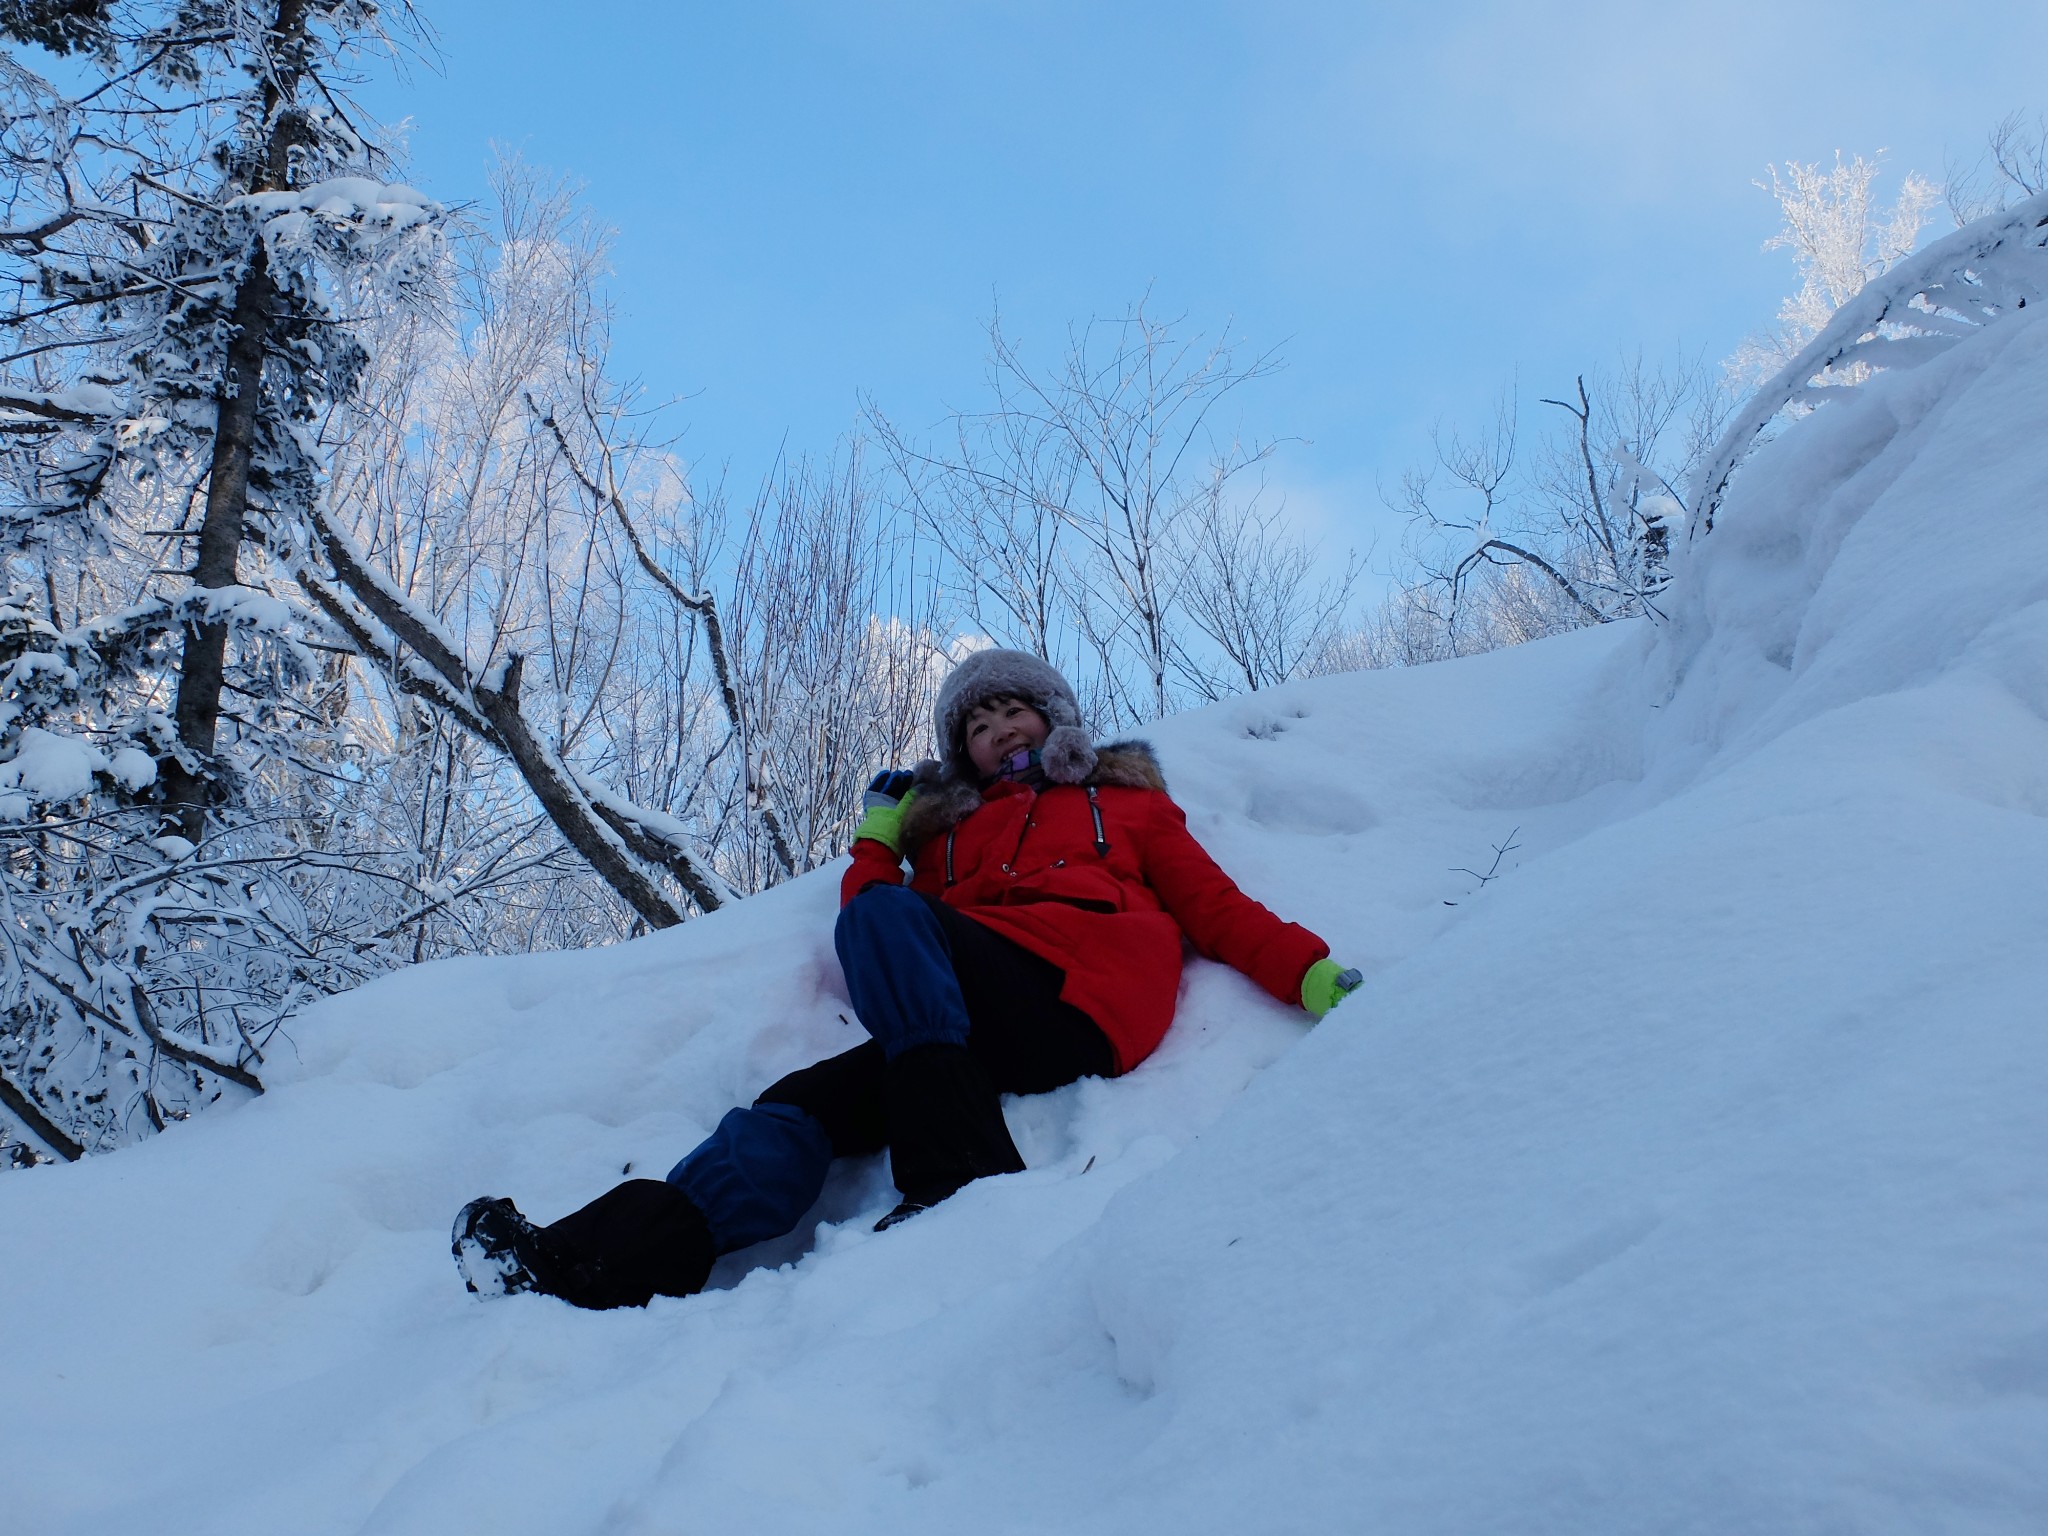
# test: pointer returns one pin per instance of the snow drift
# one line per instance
(1691, 1176)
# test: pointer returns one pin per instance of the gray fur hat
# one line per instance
(1068, 755)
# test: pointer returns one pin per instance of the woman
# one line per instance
(1037, 941)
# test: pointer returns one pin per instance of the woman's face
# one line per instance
(999, 728)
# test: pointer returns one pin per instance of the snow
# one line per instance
(350, 202)
(92, 398)
(134, 769)
(243, 607)
(46, 769)
(1690, 1176)
(83, 399)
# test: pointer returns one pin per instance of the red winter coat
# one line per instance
(1026, 863)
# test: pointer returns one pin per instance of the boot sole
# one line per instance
(489, 1269)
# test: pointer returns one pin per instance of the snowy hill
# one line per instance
(1690, 1177)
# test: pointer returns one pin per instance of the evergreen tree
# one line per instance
(193, 216)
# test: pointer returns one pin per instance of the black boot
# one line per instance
(637, 1241)
(500, 1252)
(945, 1127)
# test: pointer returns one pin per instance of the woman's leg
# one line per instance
(751, 1179)
(636, 1241)
(1024, 1034)
(756, 1175)
(962, 1015)
(944, 1122)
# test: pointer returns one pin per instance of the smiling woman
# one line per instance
(1039, 940)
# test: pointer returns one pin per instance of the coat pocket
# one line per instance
(1088, 885)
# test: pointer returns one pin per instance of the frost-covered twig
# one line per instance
(1500, 851)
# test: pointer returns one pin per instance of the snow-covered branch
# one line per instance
(616, 838)
(1915, 311)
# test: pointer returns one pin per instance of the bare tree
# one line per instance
(991, 502)
(1133, 405)
(2018, 154)
(1070, 510)
(837, 689)
(1581, 536)
(696, 599)
(1261, 598)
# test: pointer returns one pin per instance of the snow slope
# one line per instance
(1690, 1177)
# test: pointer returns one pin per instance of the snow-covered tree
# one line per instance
(194, 219)
(710, 691)
(1980, 275)
(1841, 234)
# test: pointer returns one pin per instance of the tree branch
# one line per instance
(705, 607)
(493, 712)
(145, 1015)
(39, 1125)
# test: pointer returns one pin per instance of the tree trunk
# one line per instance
(202, 670)
(203, 664)
(38, 1124)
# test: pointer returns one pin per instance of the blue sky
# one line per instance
(1417, 204)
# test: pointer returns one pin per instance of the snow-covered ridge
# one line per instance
(1690, 1176)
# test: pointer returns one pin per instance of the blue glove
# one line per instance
(887, 788)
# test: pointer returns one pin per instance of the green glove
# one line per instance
(1324, 985)
(888, 797)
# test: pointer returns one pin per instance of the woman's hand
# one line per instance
(888, 795)
(1326, 984)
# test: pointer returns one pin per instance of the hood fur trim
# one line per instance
(945, 799)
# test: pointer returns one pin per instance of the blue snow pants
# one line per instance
(956, 1013)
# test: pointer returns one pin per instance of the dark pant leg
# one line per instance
(1028, 1039)
(946, 1126)
(843, 1094)
(960, 1015)
(638, 1240)
(917, 970)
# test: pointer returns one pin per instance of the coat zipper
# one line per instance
(1010, 864)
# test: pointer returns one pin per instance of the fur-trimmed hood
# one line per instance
(945, 797)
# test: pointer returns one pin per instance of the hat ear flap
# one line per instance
(1068, 756)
